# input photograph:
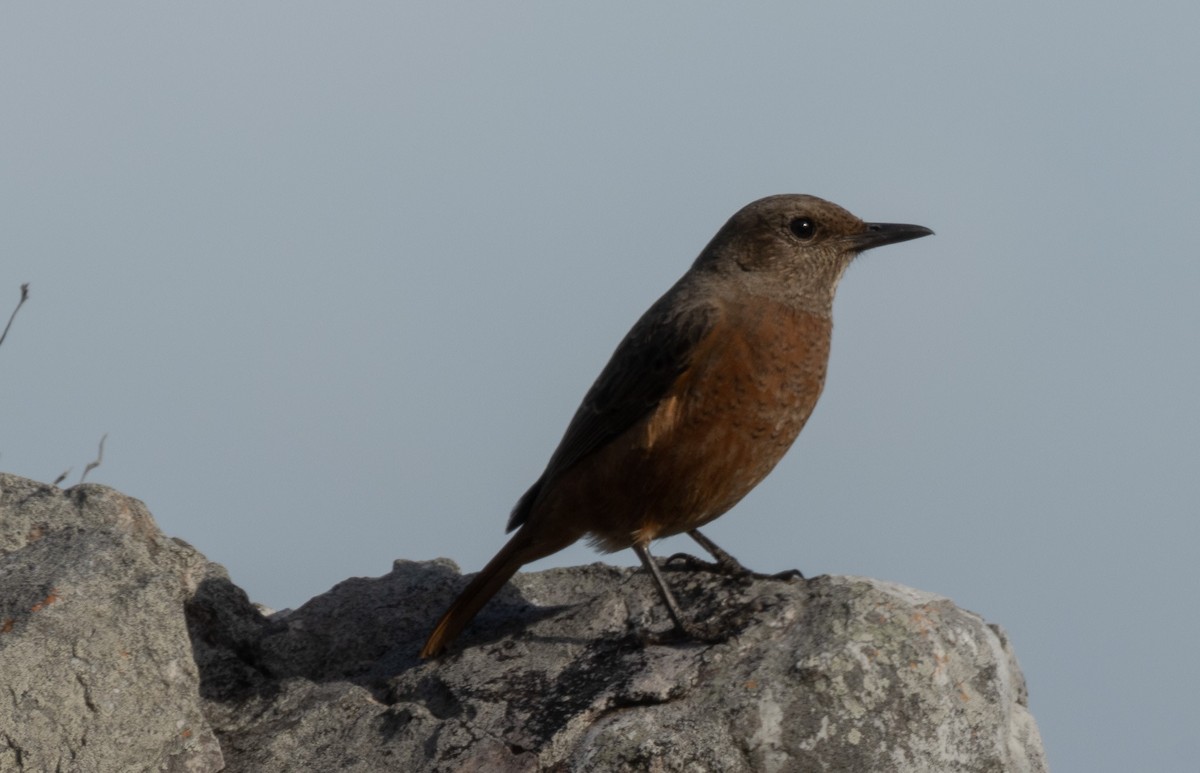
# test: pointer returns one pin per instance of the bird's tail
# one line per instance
(517, 552)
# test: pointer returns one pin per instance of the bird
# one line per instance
(699, 401)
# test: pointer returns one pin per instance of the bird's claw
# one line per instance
(787, 575)
(687, 561)
(730, 567)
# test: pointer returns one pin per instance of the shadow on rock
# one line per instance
(365, 630)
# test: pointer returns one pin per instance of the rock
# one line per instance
(95, 660)
(139, 654)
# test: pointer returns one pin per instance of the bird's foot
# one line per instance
(727, 565)
(688, 562)
(787, 575)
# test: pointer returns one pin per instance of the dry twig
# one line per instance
(99, 458)
(20, 303)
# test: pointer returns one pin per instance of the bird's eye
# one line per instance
(803, 227)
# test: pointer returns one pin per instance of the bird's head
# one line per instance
(795, 247)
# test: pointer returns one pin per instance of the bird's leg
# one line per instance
(682, 624)
(664, 592)
(726, 563)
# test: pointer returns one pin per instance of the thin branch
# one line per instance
(62, 477)
(99, 458)
(24, 297)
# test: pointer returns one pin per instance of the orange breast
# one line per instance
(728, 420)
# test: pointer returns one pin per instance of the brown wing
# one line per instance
(640, 373)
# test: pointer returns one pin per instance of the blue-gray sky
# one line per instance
(333, 278)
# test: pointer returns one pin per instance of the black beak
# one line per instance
(880, 234)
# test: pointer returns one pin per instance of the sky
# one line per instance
(334, 277)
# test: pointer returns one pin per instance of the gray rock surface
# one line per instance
(96, 667)
(123, 650)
